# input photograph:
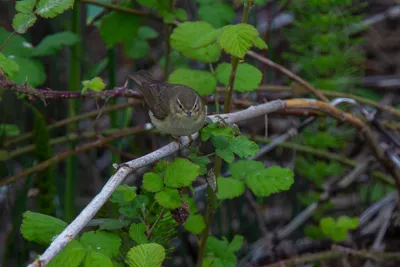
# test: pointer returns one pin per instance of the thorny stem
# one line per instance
(212, 197)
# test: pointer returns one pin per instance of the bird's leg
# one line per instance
(190, 140)
(176, 139)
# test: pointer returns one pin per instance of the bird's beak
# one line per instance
(189, 114)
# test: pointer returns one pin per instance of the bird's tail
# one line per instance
(142, 77)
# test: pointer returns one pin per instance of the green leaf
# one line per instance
(202, 161)
(96, 259)
(220, 141)
(137, 232)
(71, 256)
(214, 130)
(146, 255)
(41, 228)
(260, 43)
(181, 14)
(146, 33)
(270, 180)
(181, 173)
(9, 130)
(25, 6)
(236, 243)
(195, 224)
(108, 224)
(242, 168)
(96, 84)
(136, 48)
(130, 209)
(217, 14)
(176, 61)
(23, 21)
(30, 70)
(123, 194)
(226, 155)
(168, 198)
(52, 44)
(8, 66)
(237, 39)
(203, 82)
(229, 188)
(16, 46)
(152, 182)
(313, 232)
(100, 241)
(207, 39)
(243, 147)
(247, 77)
(117, 27)
(338, 230)
(187, 34)
(52, 8)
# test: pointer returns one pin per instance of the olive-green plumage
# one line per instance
(174, 108)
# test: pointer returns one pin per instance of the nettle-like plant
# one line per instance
(148, 217)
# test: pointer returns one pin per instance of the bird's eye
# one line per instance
(195, 106)
(180, 105)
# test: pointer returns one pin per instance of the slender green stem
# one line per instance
(7, 40)
(155, 223)
(74, 85)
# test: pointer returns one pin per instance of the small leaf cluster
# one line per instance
(336, 230)
(222, 252)
(260, 180)
(20, 60)
(167, 179)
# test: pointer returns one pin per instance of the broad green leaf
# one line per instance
(313, 232)
(52, 8)
(270, 180)
(195, 224)
(146, 33)
(237, 39)
(226, 154)
(202, 161)
(41, 228)
(52, 44)
(8, 66)
(203, 82)
(96, 84)
(168, 17)
(123, 194)
(236, 243)
(23, 21)
(216, 13)
(106, 243)
(25, 6)
(16, 46)
(136, 48)
(243, 147)
(337, 230)
(169, 198)
(187, 34)
(176, 60)
(260, 43)
(247, 77)
(152, 182)
(229, 188)
(108, 223)
(9, 130)
(96, 259)
(146, 255)
(207, 39)
(181, 14)
(137, 232)
(214, 130)
(130, 209)
(220, 141)
(181, 173)
(242, 168)
(30, 70)
(117, 27)
(71, 256)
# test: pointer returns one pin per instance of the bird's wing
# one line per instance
(153, 92)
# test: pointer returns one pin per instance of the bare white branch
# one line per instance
(126, 168)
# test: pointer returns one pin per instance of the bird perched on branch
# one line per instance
(175, 109)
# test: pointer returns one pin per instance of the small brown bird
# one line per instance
(174, 108)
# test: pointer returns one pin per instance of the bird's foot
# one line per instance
(177, 140)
